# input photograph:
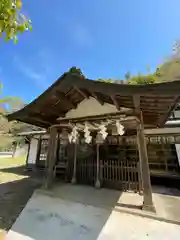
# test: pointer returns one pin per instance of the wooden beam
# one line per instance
(128, 112)
(83, 94)
(144, 165)
(115, 102)
(94, 95)
(63, 97)
(136, 102)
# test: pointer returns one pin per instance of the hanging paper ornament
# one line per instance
(88, 139)
(73, 136)
(103, 131)
(87, 136)
(120, 128)
(70, 137)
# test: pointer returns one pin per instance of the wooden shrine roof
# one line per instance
(156, 101)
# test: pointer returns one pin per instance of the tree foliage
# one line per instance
(12, 21)
(143, 79)
(136, 79)
(9, 103)
(170, 69)
(9, 130)
(127, 75)
(108, 80)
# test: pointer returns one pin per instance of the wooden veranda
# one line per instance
(135, 106)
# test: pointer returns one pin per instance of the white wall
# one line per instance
(33, 151)
(178, 152)
(90, 107)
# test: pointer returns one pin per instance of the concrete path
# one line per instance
(47, 218)
(82, 213)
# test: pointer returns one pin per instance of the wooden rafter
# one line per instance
(116, 115)
(52, 111)
(33, 122)
(115, 102)
(94, 95)
(169, 110)
(136, 102)
(64, 98)
(83, 94)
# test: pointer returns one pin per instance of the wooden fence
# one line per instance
(115, 174)
(120, 174)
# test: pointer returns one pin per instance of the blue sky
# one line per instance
(105, 38)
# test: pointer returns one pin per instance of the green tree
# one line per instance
(9, 130)
(137, 79)
(9, 103)
(143, 79)
(12, 21)
(127, 75)
(170, 69)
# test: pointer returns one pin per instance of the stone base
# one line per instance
(73, 181)
(149, 208)
(98, 184)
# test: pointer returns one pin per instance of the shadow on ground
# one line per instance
(169, 191)
(130, 206)
(14, 194)
(23, 171)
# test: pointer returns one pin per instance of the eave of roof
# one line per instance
(156, 100)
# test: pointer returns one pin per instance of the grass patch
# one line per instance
(8, 162)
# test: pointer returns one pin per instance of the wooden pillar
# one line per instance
(51, 157)
(74, 179)
(97, 183)
(144, 165)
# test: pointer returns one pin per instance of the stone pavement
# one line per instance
(166, 200)
(126, 226)
(81, 212)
